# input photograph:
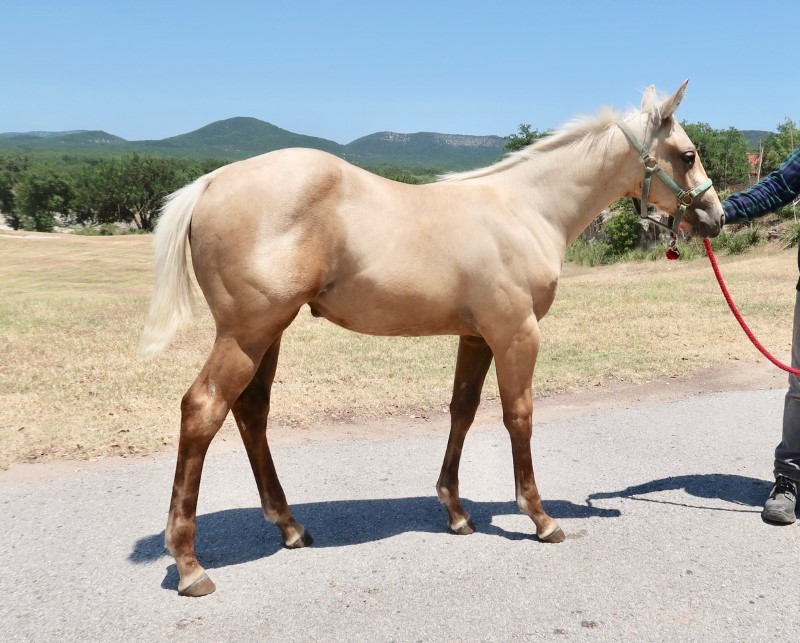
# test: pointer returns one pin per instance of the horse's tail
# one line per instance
(173, 295)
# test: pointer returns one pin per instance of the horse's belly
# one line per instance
(387, 315)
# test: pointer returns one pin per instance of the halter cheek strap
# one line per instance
(651, 167)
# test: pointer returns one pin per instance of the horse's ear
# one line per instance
(649, 99)
(669, 106)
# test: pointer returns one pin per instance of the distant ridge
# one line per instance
(60, 141)
(426, 148)
(242, 137)
(754, 136)
(41, 134)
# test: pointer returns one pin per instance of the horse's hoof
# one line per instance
(556, 536)
(202, 586)
(303, 540)
(465, 528)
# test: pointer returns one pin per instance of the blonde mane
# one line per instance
(576, 131)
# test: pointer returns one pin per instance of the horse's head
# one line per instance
(673, 178)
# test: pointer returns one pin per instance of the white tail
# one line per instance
(173, 295)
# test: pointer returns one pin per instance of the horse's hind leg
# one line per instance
(251, 411)
(226, 373)
(472, 363)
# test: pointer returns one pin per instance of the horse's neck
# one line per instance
(575, 183)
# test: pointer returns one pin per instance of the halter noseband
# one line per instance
(685, 198)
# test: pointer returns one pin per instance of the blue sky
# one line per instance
(341, 70)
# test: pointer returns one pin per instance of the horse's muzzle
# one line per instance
(705, 224)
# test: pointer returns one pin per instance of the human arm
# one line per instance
(777, 189)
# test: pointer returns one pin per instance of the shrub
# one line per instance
(622, 232)
(103, 230)
(106, 230)
(791, 234)
(787, 212)
(656, 251)
(690, 249)
(637, 254)
(588, 253)
(721, 241)
(752, 235)
(737, 244)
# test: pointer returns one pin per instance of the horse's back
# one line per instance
(271, 189)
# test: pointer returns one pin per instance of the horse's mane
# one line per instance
(577, 131)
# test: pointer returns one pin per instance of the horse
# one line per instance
(475, 254)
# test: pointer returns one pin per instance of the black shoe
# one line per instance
(781, 503)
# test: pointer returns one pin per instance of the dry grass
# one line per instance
(72, 384)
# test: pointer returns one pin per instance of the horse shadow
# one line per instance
(236, 536)
(734, 489)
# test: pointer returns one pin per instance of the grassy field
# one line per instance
(73, 386)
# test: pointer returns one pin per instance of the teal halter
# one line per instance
(685, 198)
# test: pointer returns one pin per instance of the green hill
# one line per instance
(234, 139)
(241, 137)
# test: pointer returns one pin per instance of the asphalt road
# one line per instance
(660, 504)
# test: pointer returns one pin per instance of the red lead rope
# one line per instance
(738, 315)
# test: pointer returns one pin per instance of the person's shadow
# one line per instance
(237, 536)
(733, 489)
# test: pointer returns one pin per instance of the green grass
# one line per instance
(589, 253)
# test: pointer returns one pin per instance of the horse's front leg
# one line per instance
(515, 358)
(474, 359)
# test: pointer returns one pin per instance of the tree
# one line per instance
(147, 181)
(722, 152)
(525, 136)
(778, 145)
(98, 195)
(10, 171)
(41, 193)
(733, 165)
(130, 189)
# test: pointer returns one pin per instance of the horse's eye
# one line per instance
(688, 158)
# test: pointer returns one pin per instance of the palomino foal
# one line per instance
(477, 255)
